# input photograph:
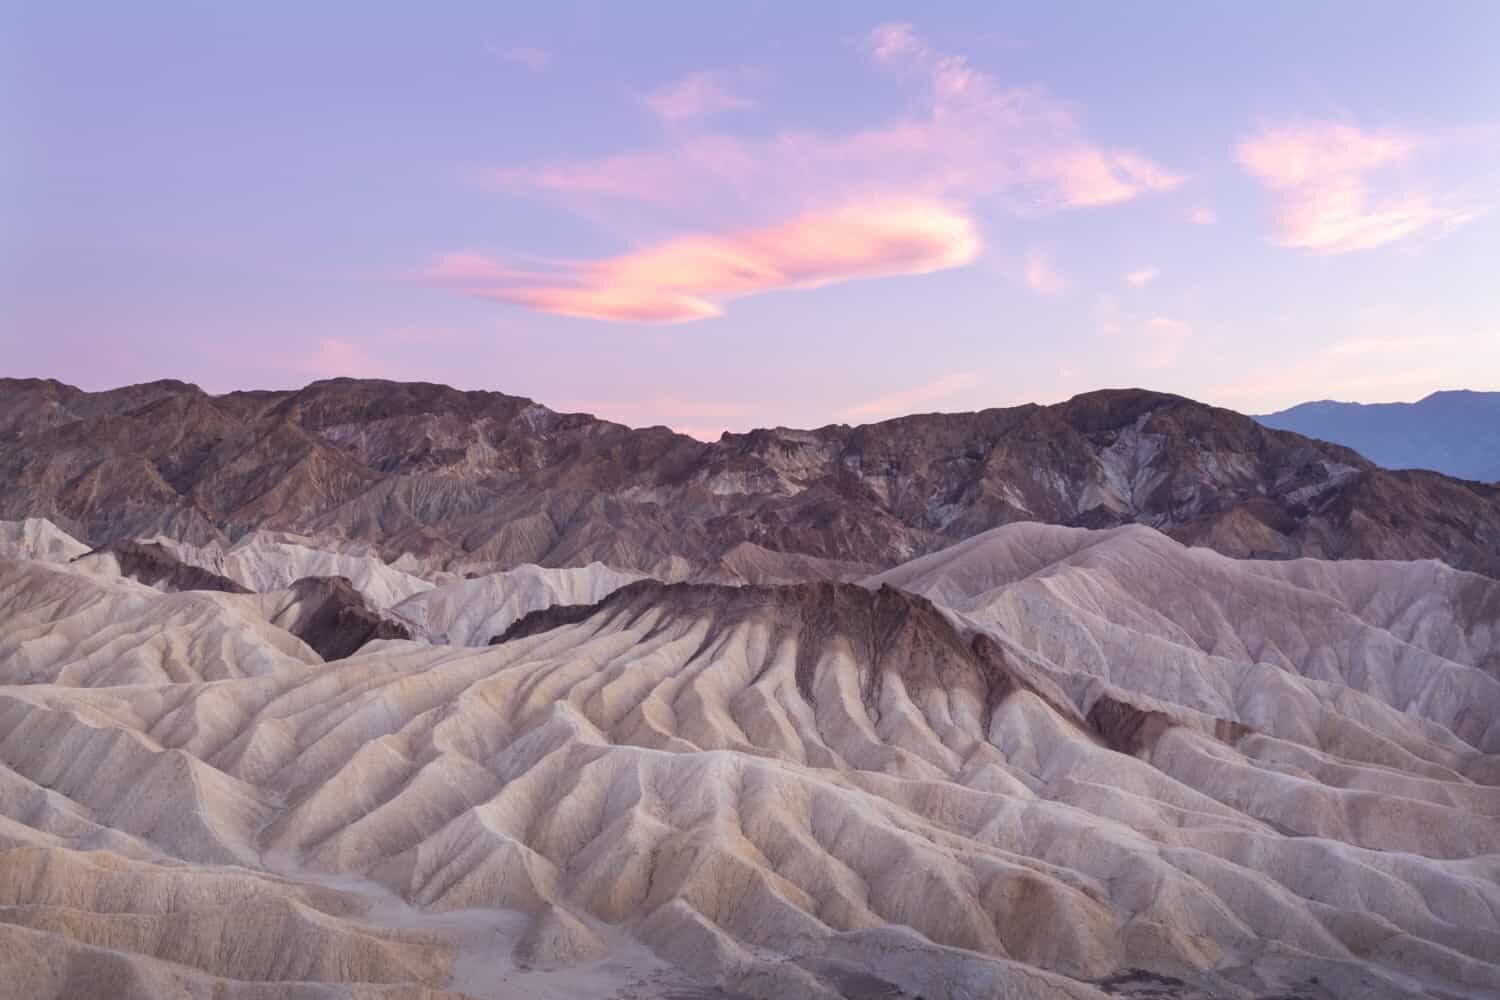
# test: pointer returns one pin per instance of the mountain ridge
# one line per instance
(486, 481)
(1452, 431)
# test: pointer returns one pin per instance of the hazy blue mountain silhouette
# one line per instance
(1456, 432)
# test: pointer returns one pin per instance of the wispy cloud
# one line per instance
(1143, 277)
(525, 56)
(906, 400)
(969, 138)
(1202, 215)
(1330, 187)
(690, 277)
(965, 139)
(697, 95)
(1041, 275)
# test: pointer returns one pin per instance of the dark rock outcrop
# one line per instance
(328, 614)
(887, 632)
(476, 477)
(155, 566)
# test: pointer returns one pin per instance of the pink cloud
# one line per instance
(802, 208)
(904, 400)
(690, 277)
(1088, 177)
(1040, 274)
(1325, 198)
(968, 137)
(1297, 155)
(696, 95)
(1202, 216)
(467, 266)
(891, 42)
(1143, 277)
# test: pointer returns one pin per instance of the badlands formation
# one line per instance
(1043, 762)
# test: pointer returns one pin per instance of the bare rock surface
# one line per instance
(472, 611)
(156, 565)
(430, 478)
(1045, 762)
(331, 616)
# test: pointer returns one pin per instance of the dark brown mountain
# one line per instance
(479, 478)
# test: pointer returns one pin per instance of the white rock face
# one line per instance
(264, 562)
(471, 612)
(75, 629)
(39, 539)
(1269, 644)
(1130, 758)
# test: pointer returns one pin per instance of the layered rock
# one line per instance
(1048, 762)
(475, 481)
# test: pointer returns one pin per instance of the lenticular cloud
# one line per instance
(689, 278)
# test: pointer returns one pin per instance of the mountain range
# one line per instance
(482, 481)
(1456, 433)
(380, 691)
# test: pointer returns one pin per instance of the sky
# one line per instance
(722, 216)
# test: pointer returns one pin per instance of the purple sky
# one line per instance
(720, 216)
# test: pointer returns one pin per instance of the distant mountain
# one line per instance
(480, 481)
(1456, 433)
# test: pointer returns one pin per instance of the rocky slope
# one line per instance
(1045, 762)
(471, 612)
(474, 481)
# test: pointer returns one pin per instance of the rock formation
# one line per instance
(430, 478)
(1044, 762)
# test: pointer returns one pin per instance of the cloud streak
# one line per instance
(1329, 189)
(690, 277)
(697, 95)
(966, 139)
